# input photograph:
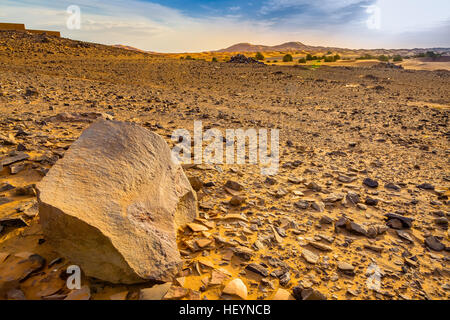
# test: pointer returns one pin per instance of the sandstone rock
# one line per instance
(282, 294)
(237, 288)
(78, 117)
(237, 200)
(196, 183)
(157, 292)
(81, 294)
(16, 268)
(346, 268)
(176, 293)
(114, 202)
(308, 294)
(197, 227)
(218, 277)
(310, 256)
(320, 246)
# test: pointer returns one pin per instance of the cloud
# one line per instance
(156, 27)
(145, 25)
(323, 8)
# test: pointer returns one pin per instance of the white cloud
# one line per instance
(155, 27)
(141, 24)
(322, 6)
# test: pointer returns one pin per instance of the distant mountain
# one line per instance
(299, 46)
(288, 46)
(121, 46)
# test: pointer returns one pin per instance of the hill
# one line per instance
(296, 46)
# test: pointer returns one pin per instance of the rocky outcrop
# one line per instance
(113, 204)
(240, 58)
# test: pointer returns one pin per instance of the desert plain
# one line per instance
(358, 209)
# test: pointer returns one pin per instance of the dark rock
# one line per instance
(442, 221)
(405, 222)
(20, 156)
(392, 186)
(4, 200)
(209, 184)
(355, 228)
(258, 269)
(341, 223)
(426, 186)
(326, 220)
(370, 183)
(371, 202)
(237, 200)
(285, 278)
(297, 292)
(196, 183)
(302, 204)
(434, 243)
(15, 294)
(270, 181)
(240, 58)
(243, 253)
(12, 222)
(233, 185)
(312, 294)
(6, 187)
(352, 197)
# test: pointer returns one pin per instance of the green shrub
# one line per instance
(214, 59)
(397, 58)
(383, 58)
(188, 58)
(302, 60)
(309, 57)
(337, 57)
(432, 54)
(366, 57)
(287, 58)
(259, 56)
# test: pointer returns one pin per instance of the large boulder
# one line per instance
(114, 203)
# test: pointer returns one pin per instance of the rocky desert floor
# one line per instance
(360, 198)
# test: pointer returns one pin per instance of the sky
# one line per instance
(203, 25)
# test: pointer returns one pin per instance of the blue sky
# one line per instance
(200, 25)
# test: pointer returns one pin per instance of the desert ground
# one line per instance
(361, 194)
